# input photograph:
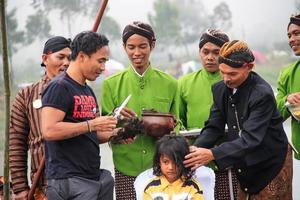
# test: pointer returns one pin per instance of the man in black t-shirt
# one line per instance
(72, 127)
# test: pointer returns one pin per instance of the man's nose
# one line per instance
(66, 62)
(137, 51)
(291, 39)
(226, 78)
(209, 56)
(102, 66)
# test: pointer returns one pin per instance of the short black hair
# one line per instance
(88, 42)
(176, 148)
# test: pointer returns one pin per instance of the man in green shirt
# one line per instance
(150, 88)
(195, 88)
(289, 82)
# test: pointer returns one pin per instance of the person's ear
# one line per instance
(152, 45)
(44, 58)
(124, 46)
(81, 56)
(250, 66)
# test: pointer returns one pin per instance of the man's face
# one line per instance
(168, 168)
(294, 38)
(138, 50)
(209, 55)
(234, 77)
(94, 64)
(56, 62)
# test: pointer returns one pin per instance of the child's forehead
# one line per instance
(166, 156)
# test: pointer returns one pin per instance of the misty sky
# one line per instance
(255, 21)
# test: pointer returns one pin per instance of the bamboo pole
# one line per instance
(99, 15)
(36, 179)
(7, 96)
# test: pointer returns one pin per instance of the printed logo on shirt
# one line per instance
(165, 196)
(84, 107)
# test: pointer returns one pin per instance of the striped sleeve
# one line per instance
(18, 142)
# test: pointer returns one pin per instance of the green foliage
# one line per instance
(297, 4)
(165, 21)
(15, 37)
(193, 19)
(182, 21)
(65, 7)
(221, 17)
(108, 25)
(37, 26)
(110, 28)
(69, 9)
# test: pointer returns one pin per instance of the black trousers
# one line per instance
(78, 188)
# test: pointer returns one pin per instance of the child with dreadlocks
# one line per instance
(173, 180)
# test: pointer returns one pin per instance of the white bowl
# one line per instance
(294, 109)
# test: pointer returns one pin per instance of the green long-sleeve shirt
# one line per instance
(156, 90)
(195, 97)
(289, 82)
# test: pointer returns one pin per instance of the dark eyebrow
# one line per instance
(293, 32)
(145, 43)
(103, 59)
(63, 54)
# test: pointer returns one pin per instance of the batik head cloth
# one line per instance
(214, 36)
(139, 28)
(235, 54)
(294, 19)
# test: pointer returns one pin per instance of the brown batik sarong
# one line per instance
(280, 188)
(222, 191)
(124, 186)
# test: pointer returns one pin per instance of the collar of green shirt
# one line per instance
(211, 75)
(135, 76)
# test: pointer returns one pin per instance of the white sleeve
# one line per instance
(140, 182)
(206, 178)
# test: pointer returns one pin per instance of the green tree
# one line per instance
(182, 21)
(69, 9)
(15, 39)
(193, 19)
(108, 25)
(37, 26)
(110, 28)
(221, 17)
(297, 4)
(165, 21)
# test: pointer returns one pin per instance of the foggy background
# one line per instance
(178, 25)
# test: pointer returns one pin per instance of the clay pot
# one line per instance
(158, 124)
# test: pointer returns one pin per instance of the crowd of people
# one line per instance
(59, 122)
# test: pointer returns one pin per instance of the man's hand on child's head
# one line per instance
(198, 157)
